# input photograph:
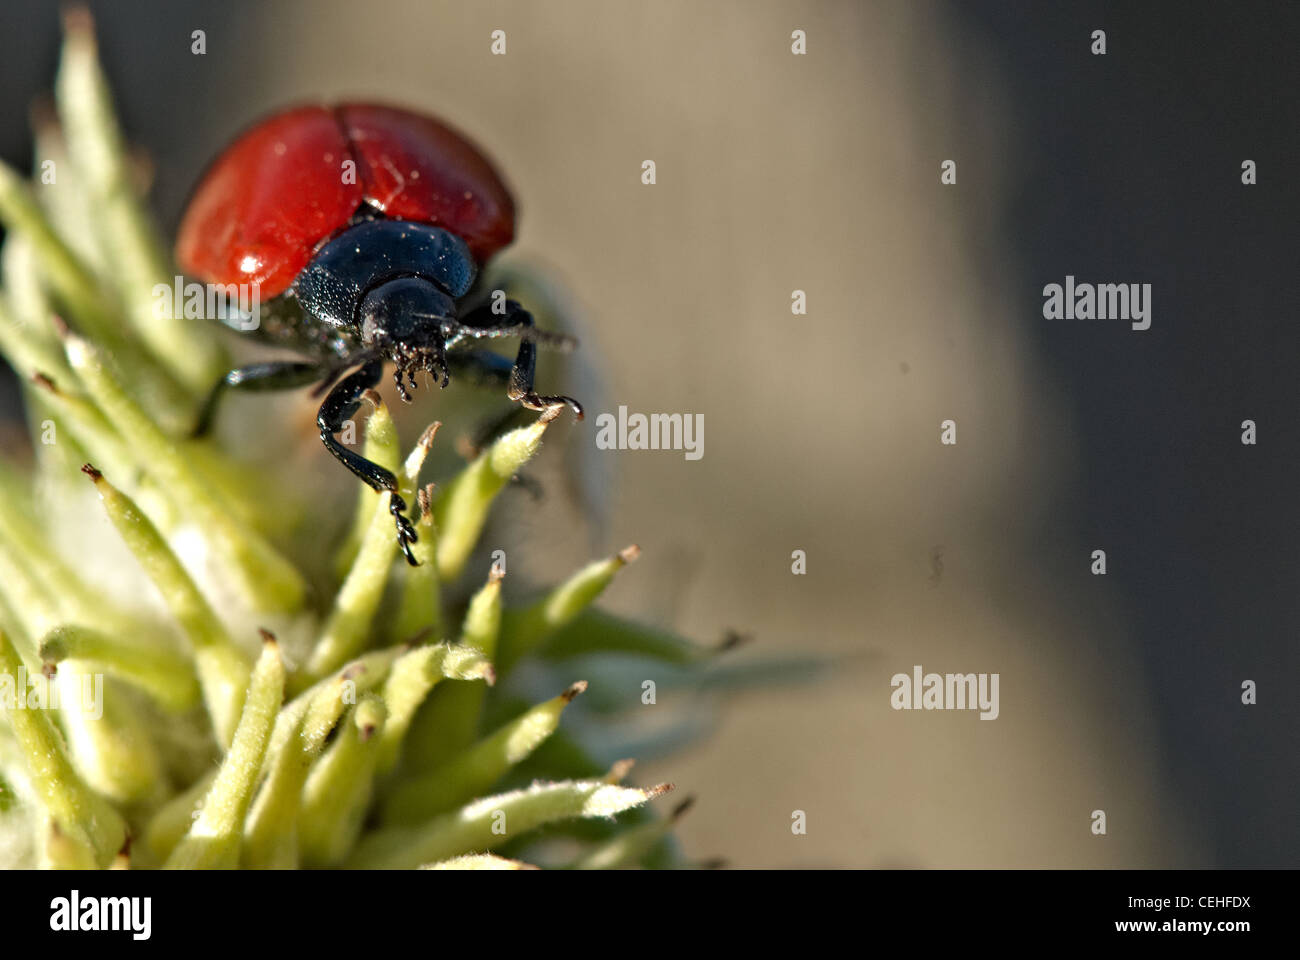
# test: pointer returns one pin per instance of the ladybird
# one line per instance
(362, 228)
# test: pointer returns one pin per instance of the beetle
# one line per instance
(362, 227)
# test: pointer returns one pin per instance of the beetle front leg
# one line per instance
(520, 387)
(519, 322)
(340, 404)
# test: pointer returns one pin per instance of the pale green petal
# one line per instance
(490, 822)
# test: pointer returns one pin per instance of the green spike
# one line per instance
(221, 666)
(337, 792)
(462, 509)
(85, 826)
(270, 582)
(449, 720)
(492, 821)
(130, 243)
(528, 628)
(475, 770)
(213, 840)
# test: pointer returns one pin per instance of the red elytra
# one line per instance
(280, 189)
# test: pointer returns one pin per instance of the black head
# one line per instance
(391, 285)
(410, 322)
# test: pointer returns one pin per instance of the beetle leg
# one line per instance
(276, 375)
(341, 403)
(518, 322)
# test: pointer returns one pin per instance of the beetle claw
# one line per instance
(406, 551)
(401, 370)
(406, 534)
(552, 407)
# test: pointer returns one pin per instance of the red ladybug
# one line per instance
(363, 228)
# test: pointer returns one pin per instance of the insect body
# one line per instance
(363, 228)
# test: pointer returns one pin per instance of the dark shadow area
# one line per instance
(1127, 168)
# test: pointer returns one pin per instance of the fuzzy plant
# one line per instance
(184, 681)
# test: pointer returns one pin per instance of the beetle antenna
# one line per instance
(543, 338)
(546, 338)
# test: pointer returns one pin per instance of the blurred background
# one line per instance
(821, 173)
